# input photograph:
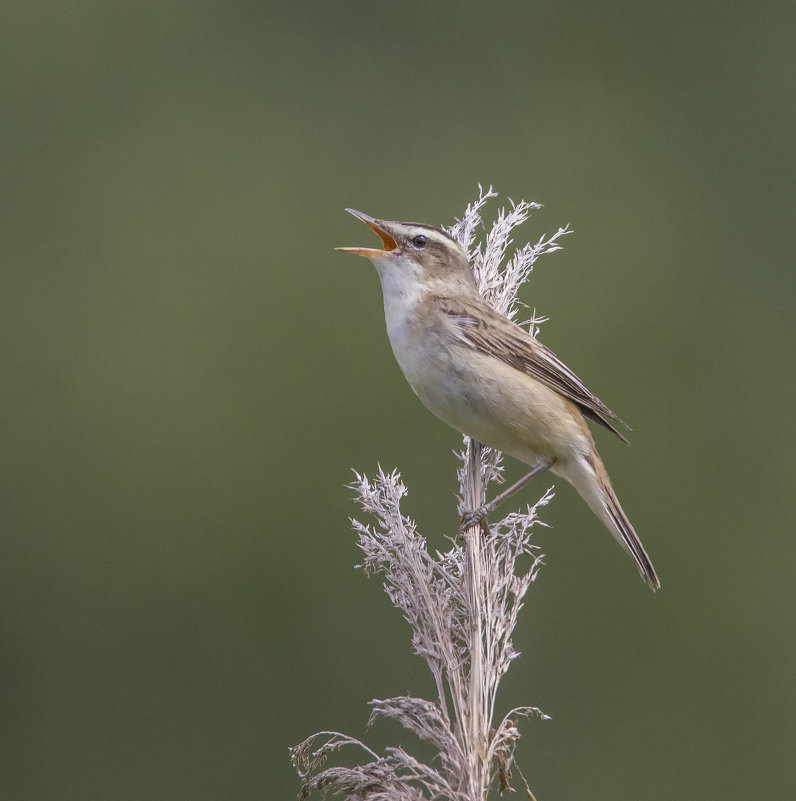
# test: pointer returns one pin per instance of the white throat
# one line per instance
(403, 287)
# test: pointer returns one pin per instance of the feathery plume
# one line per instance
(462, 604)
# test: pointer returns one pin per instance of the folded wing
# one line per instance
(479, 326)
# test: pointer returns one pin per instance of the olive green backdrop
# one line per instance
(189, 372)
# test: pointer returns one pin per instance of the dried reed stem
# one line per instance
(462, 605)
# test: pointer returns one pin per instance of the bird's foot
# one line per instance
(474, 517)
(479, 515)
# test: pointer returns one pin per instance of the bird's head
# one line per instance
(415, 251)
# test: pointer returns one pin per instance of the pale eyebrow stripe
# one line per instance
(432, 230)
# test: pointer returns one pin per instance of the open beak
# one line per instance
(378, 226)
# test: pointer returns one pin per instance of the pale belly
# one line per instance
(492, 402)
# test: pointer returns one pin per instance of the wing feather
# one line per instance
(479, 326)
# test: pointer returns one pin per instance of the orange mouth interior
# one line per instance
(388, 241)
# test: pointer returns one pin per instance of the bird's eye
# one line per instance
(420, 241)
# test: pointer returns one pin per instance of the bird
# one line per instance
(487, 377)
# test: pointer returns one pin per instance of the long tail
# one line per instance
(589, 477)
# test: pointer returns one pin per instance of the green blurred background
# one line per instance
(190, 372)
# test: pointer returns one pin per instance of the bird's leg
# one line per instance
(479, 515)
(517, 486)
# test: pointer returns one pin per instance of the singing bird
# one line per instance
(485, 376)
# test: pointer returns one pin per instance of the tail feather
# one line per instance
(589, 477)
(626, 535)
